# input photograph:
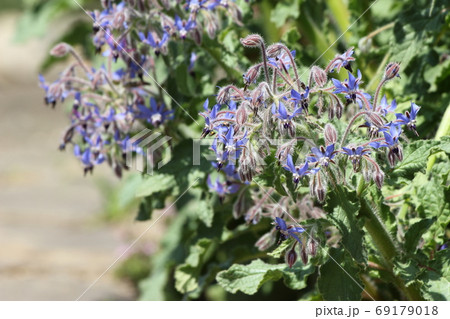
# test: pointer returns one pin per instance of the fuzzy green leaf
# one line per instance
(339, 279)
(345, 206)
(249, 278)
(437, 279)
(415, 232)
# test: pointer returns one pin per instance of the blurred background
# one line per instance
(58, 230)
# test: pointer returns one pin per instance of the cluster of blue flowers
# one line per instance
(272, 115)
(113, 101)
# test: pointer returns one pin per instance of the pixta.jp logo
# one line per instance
(151, 150)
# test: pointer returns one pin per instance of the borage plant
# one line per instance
(303, 162)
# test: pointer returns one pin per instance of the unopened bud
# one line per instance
(241, 115)
(378, 177)
(197, 36)
(312, 246)
(211, 28)
(274, 50)
(330, 134)
(319, 76)
(252, 40)
(266, 240)
(291, 257)
(252, 74)
(392, 70)
(304, 255)
(224, 95)
(375, 119)
(60, 50)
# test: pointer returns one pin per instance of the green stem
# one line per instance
(443, 129)
(383, 242)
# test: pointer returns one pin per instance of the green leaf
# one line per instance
(145, 210)
(249, 278)
(437, 74)
(185, 83)
(415, 157)
(285, 10)
(186, 275)
(345, 206)
(339, 277)
(407, 270)
(415, 232)
(436, 279)
(279, 251)
(154, 184)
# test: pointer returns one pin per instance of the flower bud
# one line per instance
(274, 50)
(378, 177)
(375, 119)
(251, 75)
(312, 246)
(241, 114)
(266, 240)
(291, 257)
(211, 28)
(319, 76)
(252, 40)
(330, 134)
(392, 70)
(60, 50)
(304, 255)
(197, 36)
(224, 95)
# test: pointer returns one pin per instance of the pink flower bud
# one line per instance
(392, 70)
(241, 115)
(252, 74)
(252, 40)
(378, 177)
(60, 50)
(330, 134)
(291, 257)
(319, 76)
(304, 255)
(312, 246)
(375, 119)
(224, 95)
(265, 241)
(274, 50)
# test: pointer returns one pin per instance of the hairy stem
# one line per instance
(354, 118)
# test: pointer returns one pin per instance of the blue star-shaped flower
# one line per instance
(297, 173)
(288, 231)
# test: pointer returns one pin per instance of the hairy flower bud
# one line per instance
(274, 50)
(251, 75)
(224, 95)
(60, 50)
(378, 177)
(312, 246)
(197, 35)
(291, 257)
(211, 28)
(252, 40)
(241, 114)
(330, 134)
(392, 70)
(375, 119)
(304, 255)
(266, 240)
(319, 76)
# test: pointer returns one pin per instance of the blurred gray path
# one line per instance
(52, 244)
